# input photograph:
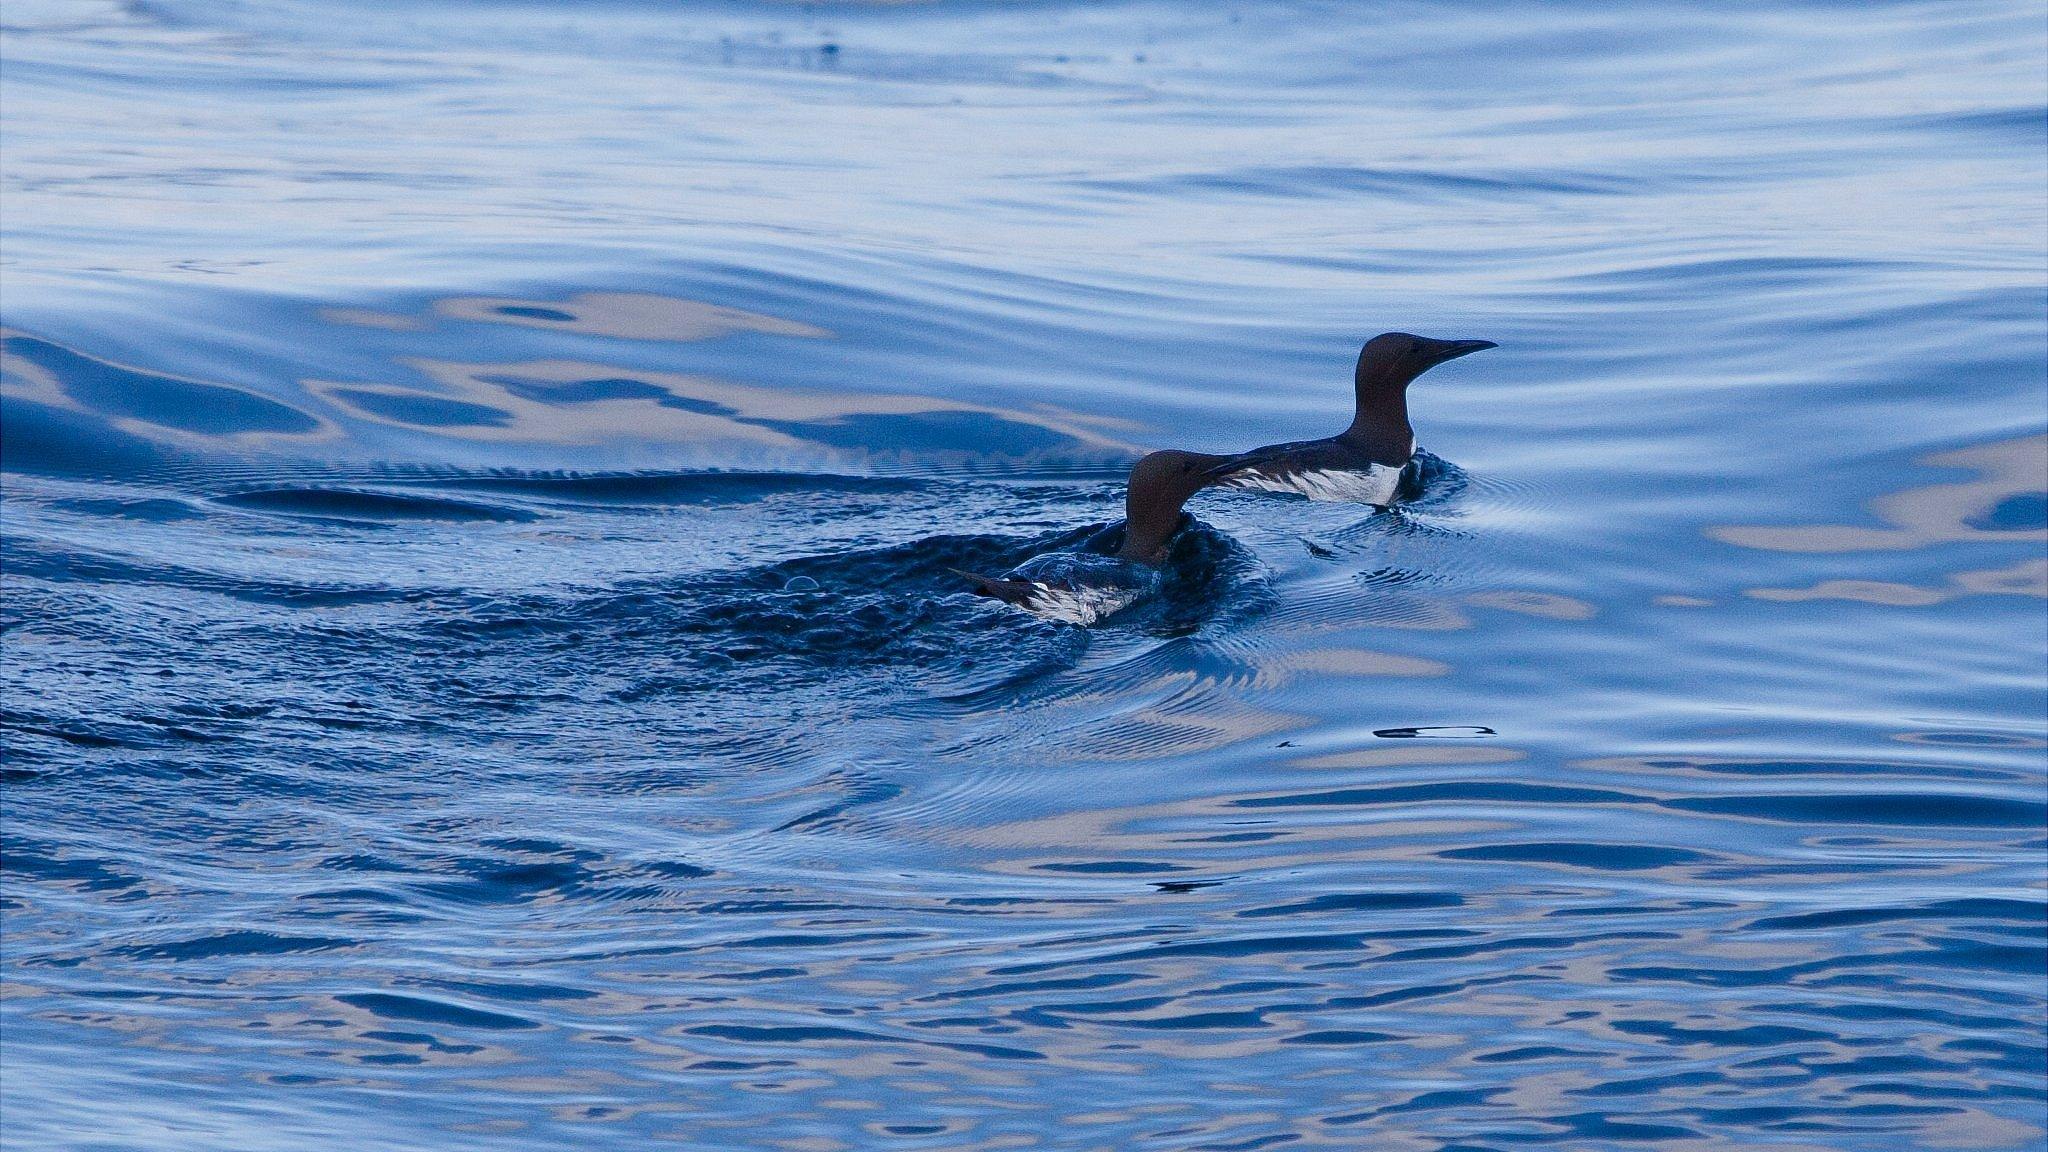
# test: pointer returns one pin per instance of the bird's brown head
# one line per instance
(1392, 359)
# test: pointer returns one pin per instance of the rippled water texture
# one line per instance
(482, 668)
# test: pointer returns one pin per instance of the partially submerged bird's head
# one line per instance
(1160, 484)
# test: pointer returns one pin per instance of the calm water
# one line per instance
(481, 671)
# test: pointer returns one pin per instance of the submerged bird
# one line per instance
(1081, 587)
(1369, 462)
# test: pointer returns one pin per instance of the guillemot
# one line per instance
(1083, 586)
(1369, 461)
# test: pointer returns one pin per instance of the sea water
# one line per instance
(482, 667)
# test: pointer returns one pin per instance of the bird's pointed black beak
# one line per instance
(1453, 349)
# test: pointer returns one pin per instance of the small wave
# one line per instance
(157, 510)
(1316, 181)
(1758, 272)
(243, 942)
(356, 505)
(678, 488)
(1602, 857)
(59, 565)
(2024, 126)
(1923, 809)
(423, 1010)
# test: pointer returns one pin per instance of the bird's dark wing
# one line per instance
(1236, 464)
(1276, 458)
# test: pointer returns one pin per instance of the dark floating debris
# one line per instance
(1184, 885)
(1444, 732)
(525, 312)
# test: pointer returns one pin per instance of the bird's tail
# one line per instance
(1008, 591)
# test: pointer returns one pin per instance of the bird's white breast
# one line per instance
(1377, 484)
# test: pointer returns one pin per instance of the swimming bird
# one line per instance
(1369, 462)
(1084, 585)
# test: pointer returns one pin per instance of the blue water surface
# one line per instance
(482, 666)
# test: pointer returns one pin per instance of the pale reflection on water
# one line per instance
(2011, 470)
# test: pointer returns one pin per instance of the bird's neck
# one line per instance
(1150, 518)
(1145, 543)
(1380, 427)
